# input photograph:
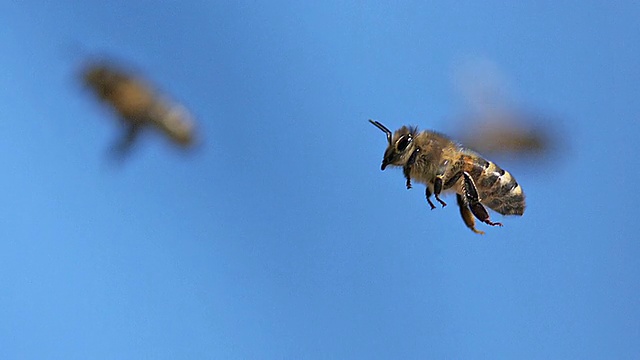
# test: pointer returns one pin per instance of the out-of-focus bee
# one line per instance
(442, 165)
(138, 105)
(494, 125)
(507, 136)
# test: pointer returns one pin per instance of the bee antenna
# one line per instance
(383, 128)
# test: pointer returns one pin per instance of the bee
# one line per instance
(509, 133)
(138, 105)
(443, 165)
(507, 137)
(494, 125)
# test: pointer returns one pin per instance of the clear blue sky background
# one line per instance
(280, 237)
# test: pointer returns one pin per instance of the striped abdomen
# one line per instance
(497, 188)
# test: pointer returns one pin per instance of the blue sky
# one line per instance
(279, 237)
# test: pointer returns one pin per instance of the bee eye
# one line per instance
(403, 142)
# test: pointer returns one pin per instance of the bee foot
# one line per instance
(429, 200)
(493, 223)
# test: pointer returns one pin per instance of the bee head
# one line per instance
(400, 144)
(101, 78)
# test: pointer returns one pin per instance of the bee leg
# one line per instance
(123, 147)
(407, 175)
(472, 198)
(407, 167)
(428, 193)
(467, 216)
(437, 189)
(454, 179)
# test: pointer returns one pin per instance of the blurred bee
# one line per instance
(496, 127)
(138, 105)
(511, 137)
(442, 165)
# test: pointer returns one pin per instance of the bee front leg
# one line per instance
(473, 200)
(407, 175)
(428, 194)
(407, 167)
(467, 216)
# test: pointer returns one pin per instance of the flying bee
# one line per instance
(507, 133)
(442, 165)
(138, 105)
(509, 137)
(496, 126)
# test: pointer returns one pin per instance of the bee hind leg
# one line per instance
(472, 198)
(467, 216)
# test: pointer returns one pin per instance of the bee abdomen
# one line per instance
(174, 120)
(500, 191)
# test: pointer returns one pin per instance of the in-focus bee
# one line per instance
(442, 165)
(138, 105)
